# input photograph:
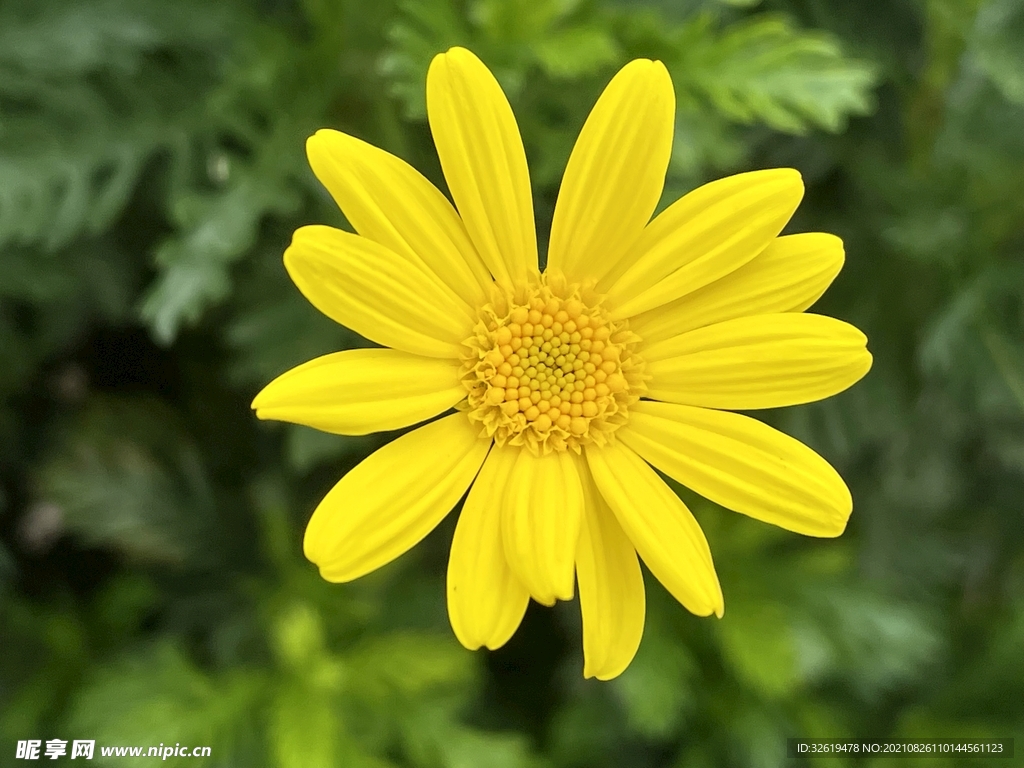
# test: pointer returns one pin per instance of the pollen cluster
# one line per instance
(547, 369)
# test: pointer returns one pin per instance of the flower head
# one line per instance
(570, 385)
(548, 369)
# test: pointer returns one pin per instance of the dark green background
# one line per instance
(152, 587)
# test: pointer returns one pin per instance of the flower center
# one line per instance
(547, 369)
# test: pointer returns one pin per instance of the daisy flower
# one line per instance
(570, 386)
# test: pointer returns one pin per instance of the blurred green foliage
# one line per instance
(152, 587)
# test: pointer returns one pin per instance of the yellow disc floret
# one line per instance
(547, 369)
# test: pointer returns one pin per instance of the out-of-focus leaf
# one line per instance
(426, 28)
(87, 96)
(874, 642)
(218, 229)
(657, 689)
(756, 736)
(157, 695)
(434, 738)
(304, 728)
(576, 51)
(997, 42)
(758, 642)
(308, 447)
(580, 730)
(123, 605)
(125, 476)
(702, 141)
(406, 665)
(765, 70)
(51, 197)
(273, 327)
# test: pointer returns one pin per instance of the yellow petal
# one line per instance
(483, 160)
(393, 498)
(762, 361)
(389, 202)
(742, 464)
(660, 526)
(787, 276)
(361, 391)
(616, 172)
(611, 588)
(377, 293)
(486, 602)
(540, 517)
(703, 236)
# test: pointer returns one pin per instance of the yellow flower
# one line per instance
(628, 352)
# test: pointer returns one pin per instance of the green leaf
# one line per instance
(216, 231)
(125, 476)
(52, 195)
(88, 94)
(273, 327)
(657, 690)
(704, 142)
(876, 643)
(519, 20)
(757, 642)
(576, 51)
(408, 664)
(303, 727)
(424, 29)
(125, 604)
(997, 42)
(433, 737)
(764, 70)
(579, 732)
(307, 447)
(756, 736)
(158, 695)
(298, 637)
